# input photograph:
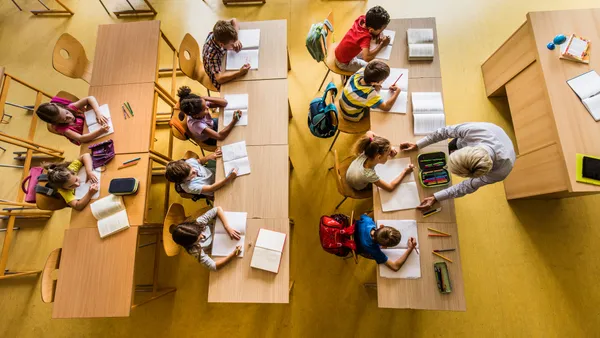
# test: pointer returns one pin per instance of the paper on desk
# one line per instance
(92, 123)
(399, 105)
(411, 269)
(236, 101)
(250, 38)
(223, 245)
(394, 74)
(406, 195)
(84, 186)
(235, 60)
(234, 151)
(228, 117)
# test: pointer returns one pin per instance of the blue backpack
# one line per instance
(322, 116)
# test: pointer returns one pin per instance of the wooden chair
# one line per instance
(65, 9)
(329, 51)
(48, 286)
(340, 179)
(349, 127)
(65, 95)
(191, 63)
(133, 11)
(190, 154)
(175, 215)
(75, 64)
(180, 131)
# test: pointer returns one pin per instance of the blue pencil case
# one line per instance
(432, 169)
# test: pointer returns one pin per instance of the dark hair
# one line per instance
(48, 112)
(177, 171)
(189, 103)
(387, 236)
(58, 173)
(376, 71)
(372, 146)
(186, 233)
(224, 31)
(377, 17)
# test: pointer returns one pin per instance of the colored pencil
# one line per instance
(125, 115)
(442, 257)
(129, 107)
(437, 235)
(444, 250)
(132, 160)
(431, 212)
(433, 159)
(417, 250)
(398, 79)
(128, 165)
(438, 231)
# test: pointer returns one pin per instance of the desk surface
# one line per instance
(264, 193)
(267, 116)
(95, 278)
(272, 55)
(126, 53)
(135, 204)
(237, 282)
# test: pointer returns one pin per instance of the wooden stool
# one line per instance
(329, 51)
(48, 284)
(340, 179)
(75, 63)
(191, 64)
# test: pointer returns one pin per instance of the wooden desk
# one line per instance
(237, 282)
(272, 55)
(551, 124)
(268, 112)
(265, 192)
(126, 53)
(95, 278)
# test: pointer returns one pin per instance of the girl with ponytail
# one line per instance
(63, 177)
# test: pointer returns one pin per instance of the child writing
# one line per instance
(202, 127)
(372, 150)
(196, 236)
(223, 37)
(362, 91)
(63, 176)
(370, 239)
(354, 51)
(67, 118)
(195, 178)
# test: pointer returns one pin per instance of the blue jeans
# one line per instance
(212, 141)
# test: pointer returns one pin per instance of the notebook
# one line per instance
(268, 250)
(236, 102)
(84, 186)
(223, 245)
(575, 48)
(428, 112)
(406, 195)
(250, 38)
(587, 169)
(385, 52)
(236, 156)
(92, 123)
(411, 268)
(111, 215)
(587, 87)
(402, 100)
(420, 44)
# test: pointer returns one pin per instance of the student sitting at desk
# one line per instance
(223, 37)
(67, 118)
(63, 176)
(480, 151)
(372, 150)
(370, 239)
(362, 91)
(196, 236)
(202, 127)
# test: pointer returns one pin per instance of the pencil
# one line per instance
(398, 79)
(442, 257)
(439, 232)
(444, 250)
(132, 160)
(437, 235)
(124, 112)
(127, 165)
(417, 250)
(129, 107)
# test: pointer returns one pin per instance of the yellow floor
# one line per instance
(529, 266)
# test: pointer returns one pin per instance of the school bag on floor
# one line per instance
(47, 196)
(337, 235)
(315, 40)
(323, 116)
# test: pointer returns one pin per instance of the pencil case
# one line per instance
(432, 167)
(442, 277)
(123, 186)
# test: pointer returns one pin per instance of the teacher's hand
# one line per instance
(407, 146)
(427, 203)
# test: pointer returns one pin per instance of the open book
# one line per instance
(428, 112)
(236, 156)
(111, 215)
(236, 102)
(412, 266)
(587, 87)
(402, 100)
(250, 39)
(385, 52)
(268, 250)
(576, 49)
(420, 44)
(92, 123)
(406, 195)
(223, 245)
(84, 186)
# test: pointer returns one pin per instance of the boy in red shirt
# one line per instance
(353, 52)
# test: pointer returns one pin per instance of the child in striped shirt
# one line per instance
(362, 91)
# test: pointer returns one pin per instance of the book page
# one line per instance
(272, 240)
(428, 123)
(592, 104)
(407, 228)
(107, 206)
(586, 84)
(392, 168)
(577, 47)
(236, 101)
(223, 245)
(421, 50)
(427, 103)
(399, 105)
(384, 53)
(228, 117)
(242, 165)
(235, 60)
(236, 220)
(250, 38)
(419, 35)
(84, 186)
(92, 123)
(405, 196)
(266, 259)
(234, 151)
(113, 223)
(411, 269)
(394, 76)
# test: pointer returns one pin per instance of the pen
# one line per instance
(124, 112)
(398, 79)
(127, 165)
(132, 160)
(129, 107)
(444, 250)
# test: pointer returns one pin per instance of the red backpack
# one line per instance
(336, 233)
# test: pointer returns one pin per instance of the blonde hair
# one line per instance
(387, 236)
(470, 162)
(371, 146)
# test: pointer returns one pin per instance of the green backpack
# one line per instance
(317, 34)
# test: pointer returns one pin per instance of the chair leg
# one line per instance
(334, 139)
(208, 92)
(324, 78)
(202, 150)
(337, 207)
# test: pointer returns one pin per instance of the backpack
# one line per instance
(336, 234)
(34, 174)
(315, 40)
(322, 116)
(46, 196)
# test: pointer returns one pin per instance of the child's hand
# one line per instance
(385, 41)
(412, 243)
(105, 128)
(237, 115)
(94, 188)
(237, 46)
(237, 251)
(101, 119)
(245, 68)
(234, 234)
(218, 153)
(91, 177)
(409, 168)
(233, 174)
(393, 152)
(394, 88)
(407, 146)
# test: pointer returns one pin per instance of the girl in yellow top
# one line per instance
(64, 177)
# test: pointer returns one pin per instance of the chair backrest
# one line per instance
(175, 215)
(190, 154)
(189, 57)
(75, 63)
(48, 286)
(329, 39)
(178, 126)
(340, 177)
(66, 95)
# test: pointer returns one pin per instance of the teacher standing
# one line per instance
(480, 151)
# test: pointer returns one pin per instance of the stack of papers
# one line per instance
(385, 52)
(223, 245)
(402, 100)
(250, 39)
(268, 250)
(406, 195)
(92, 123)
(428, 112)
(236, 102)
(411, 268)
(236, 156)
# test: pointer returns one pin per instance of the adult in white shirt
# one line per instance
(485, 154)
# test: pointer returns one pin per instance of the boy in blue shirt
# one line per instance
(370, 239)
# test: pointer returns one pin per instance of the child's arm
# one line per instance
(223, 261)
(221, 135)
(387, 105)
(80, 204)
(217, 185)
(392, 185)
(234, 234)
(86, 159)
(397, 264)
(92, 102)
(368, 54)
(212, 156)
(235, 24)
(86, 137)
(230, 75)
(219, 101)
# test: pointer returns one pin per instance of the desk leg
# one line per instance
(288, 59)
(290, 115)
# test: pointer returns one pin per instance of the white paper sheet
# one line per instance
(236, 101)
(586, 84)
(394, 74)
(392, 168)
(84, 186)
(400, 105)
(265, 259)
(92, 123)
(411, 269)
(242, 165)
(428, 123)
(272, 240)
(250, 38)
(228, 117)
(592, 104)
(406, 195)
(223, 245)
(235, 60)
(113, 223)
(234, 151)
